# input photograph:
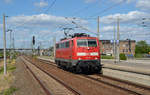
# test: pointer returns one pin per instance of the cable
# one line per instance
(51, 5)
(85, 8)
(105, 10)
(77, 25)
(95, 14)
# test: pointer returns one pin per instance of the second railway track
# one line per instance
(52, 76)
(129, 87)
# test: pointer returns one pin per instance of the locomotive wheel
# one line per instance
(78, 69)
(99, 71)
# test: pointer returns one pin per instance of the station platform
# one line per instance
(45, 58)
(135, 66)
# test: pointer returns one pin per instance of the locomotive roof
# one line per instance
(76, 38)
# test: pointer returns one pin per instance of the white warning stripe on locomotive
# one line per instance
(86, 54)
(94, 53)
(81, 54)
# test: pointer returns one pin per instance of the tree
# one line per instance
(142, 47)
(1, 54)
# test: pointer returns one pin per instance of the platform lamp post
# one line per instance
(10, 30)
(4, 39)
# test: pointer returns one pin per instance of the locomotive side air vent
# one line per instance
(80, 35)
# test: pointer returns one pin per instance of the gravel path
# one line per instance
(52, 85)
(24, 81)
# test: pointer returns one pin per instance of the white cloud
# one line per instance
(136, 33)
(43, 26)
(41, 4)
(41, 20)
(126, 1)
(130, 25)
(130, 17)
(89, 1)
(123, 29)
(115, 1)
(143, 4)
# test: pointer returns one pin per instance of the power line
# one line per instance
(105, 10)
(79, 26)
(50, 6)
(86, 8)
(95, 14)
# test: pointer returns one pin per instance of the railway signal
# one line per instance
(33, 40)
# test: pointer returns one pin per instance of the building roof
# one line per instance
(108, 41)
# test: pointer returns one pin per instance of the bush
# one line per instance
(1, 54)
(123, 56)
(106, 57)
(138, 55)
(8, 91)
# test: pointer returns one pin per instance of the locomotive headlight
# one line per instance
(81, 54)
(94, 53)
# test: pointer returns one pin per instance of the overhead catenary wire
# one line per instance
(49, 7)
(107, 9)
(80, 26)
(86, 8)
(22, 25)
(96, 14)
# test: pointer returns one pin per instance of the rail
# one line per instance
(135, 85)
(43, 87)
(58, 80)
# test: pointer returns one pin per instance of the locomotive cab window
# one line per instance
(82, 43)
(57, 46)
(86, 43)
(67, 44)
(72, 43)
(92, 43)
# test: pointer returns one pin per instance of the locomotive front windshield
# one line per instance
(86, 43)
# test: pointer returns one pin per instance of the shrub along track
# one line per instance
(130, 87)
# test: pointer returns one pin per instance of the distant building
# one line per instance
(126, 47)
(106, 47)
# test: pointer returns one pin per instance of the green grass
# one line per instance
(34, 56)
(8, 91)
(138, 55)
(106, 57)
(7, 80)
(123, 56)
(10, 68)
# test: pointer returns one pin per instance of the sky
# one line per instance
(45, 19)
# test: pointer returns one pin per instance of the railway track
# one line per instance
(55, 78)
(130, 87)
(121, 84)
(41, 84)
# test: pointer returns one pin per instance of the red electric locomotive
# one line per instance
(79, 53)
